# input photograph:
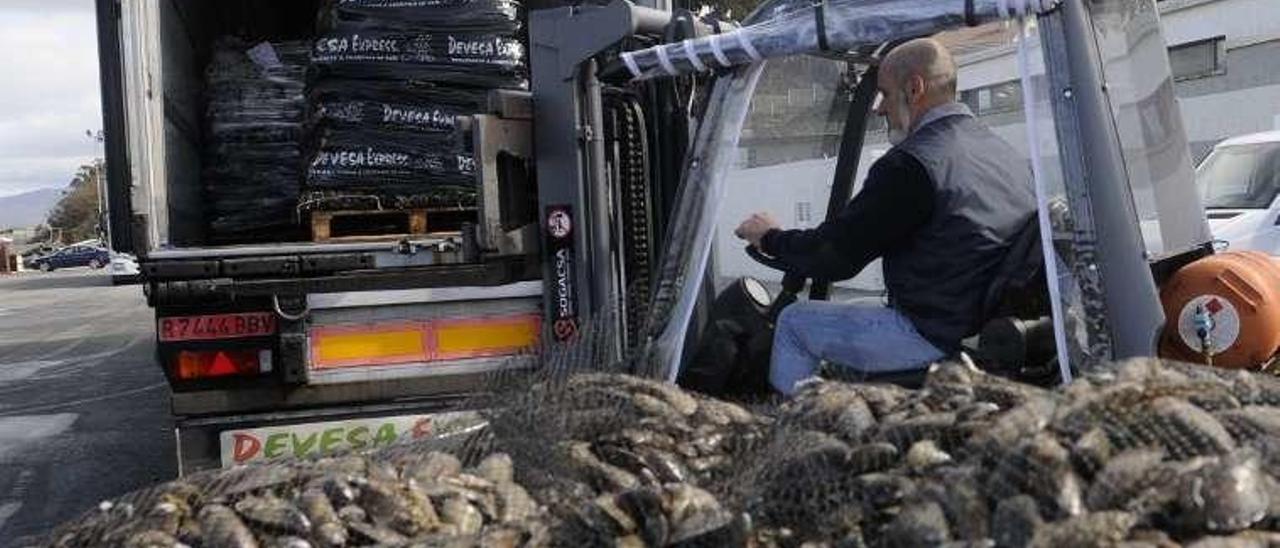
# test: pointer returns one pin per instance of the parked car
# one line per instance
(71, 256)
(37, 251)
(1239, 185)
(124, 269)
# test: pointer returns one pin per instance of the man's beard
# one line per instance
(900, 133)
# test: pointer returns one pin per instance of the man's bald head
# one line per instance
(914, 78)
(928, 60)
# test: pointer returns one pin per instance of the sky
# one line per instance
(49, 92)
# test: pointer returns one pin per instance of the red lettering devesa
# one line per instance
(245, 448)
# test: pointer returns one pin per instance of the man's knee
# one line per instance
(795, 314)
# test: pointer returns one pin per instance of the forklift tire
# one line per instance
(732, 360)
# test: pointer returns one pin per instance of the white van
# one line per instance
(1239, 182)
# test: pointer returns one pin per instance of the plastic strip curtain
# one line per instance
(1042, 199)
(689, 238)
(849, 24)
(790, 31)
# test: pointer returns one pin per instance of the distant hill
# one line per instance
(27, 209)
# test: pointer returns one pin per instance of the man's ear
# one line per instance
(915, 89)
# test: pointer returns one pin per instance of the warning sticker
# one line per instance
(1215, 313)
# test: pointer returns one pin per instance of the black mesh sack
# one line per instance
(456, 15)
(485, 60)
(371, 105)
(255, 104)
(388, 161)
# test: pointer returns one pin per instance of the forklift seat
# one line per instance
(1016, 340)
(1019, 288)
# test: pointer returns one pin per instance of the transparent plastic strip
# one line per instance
(849, 25)
(716, 50)
(693, 57)
(664, 59)
(630, 61)
(1042, 202)
(688, 240)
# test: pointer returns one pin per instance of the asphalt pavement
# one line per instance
(84, 410)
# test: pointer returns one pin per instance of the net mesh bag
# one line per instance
(571, 449)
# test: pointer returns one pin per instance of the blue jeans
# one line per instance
(864, 338)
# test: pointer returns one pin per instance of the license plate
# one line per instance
(217, 326)
(322, 438)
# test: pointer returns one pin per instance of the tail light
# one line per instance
(207, 364)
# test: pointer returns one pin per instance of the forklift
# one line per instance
(1118, 263)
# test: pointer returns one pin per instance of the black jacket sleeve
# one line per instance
(896, 200)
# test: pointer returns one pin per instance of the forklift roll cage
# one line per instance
(1116, 272)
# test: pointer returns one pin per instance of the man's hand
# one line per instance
(755, 227)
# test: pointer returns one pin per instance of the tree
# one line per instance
(735, 10)
(77, 215)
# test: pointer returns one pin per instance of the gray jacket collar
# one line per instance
(942, 111)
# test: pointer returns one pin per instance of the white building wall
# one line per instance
(1190, 20)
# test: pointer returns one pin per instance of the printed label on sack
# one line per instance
(336, 163)
(367, 114)
(419, 48)
(1222, 318)
(424, 117)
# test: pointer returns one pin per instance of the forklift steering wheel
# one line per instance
(767, 260)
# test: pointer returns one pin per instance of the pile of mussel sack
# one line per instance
(391, 81)
(252, 153)
(1141, 453)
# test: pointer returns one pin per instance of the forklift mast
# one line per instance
(609, 158)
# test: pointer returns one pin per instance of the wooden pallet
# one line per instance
(349, 225)
(387, 224)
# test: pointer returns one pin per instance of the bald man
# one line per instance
(941, 209)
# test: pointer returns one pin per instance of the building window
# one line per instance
(804, 213)
(994, 99)
(1197, 59)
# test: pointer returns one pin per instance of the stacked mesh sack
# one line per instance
(391, 81)
(252, 154)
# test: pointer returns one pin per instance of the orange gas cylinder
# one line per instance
(1230, 303)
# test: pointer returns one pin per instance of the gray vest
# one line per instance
(983, 197)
